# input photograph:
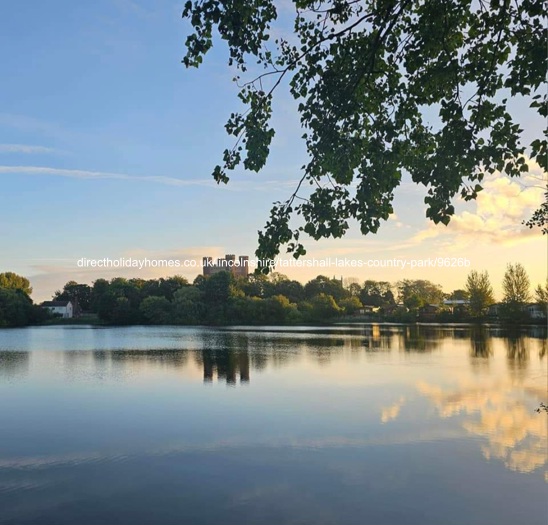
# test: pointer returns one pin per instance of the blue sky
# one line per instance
(107, 144)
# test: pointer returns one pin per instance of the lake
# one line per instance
(350, 424)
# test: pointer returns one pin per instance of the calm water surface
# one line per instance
(348, 425)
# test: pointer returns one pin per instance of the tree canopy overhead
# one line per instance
(384, 87)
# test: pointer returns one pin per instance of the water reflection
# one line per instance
(14, 364)
(480, 342)
(501, 416)
(337, 422)
(393, 411)
(517, 354)
(500, 410)
(227, 364)
(162, 358)
(231, 355)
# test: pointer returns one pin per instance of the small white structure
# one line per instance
(536, 311)
(63, 309)
(456, 302)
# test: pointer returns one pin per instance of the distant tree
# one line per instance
(219, 290)
(277, 309)
(277, 278)
(350, 305)
(256, 285)
(119, 300)
(157, 310)
(131, 289)
(541, 295)
(516, 293)
(377, 293)
(80, 293)
(291, 289)
(220, 287)
(416, 293)
(169, 285)
(188, 305)
(327, 286)
(323, 307)
(414, 301)
(98, 290)
(12, 281)
(163, 287)
(354, 289)
(480, 292)
(516, 285)
(16, 309)
(121, 312)
(352, 284)
(459, 295)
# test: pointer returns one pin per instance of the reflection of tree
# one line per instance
(419, 338)
(517, 354)
(322, 350)
(376, 339)
(13, 364)
(165, 357)
(227, 363)
(481, 347)
(480, 342)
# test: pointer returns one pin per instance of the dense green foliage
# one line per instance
(384, 88)
(277, 300)
(516, 289)
(13, 281)
(480, 292)
(274, 299)
(416, 294)
(220, 299)
(16, 307)
(79, 294)
(541, 295)
(516, 285)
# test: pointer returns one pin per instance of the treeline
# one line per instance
(276, 299)
(273, 299)
(215, 300)
(16, 306)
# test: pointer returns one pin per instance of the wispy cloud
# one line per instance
(85, 174)
(250, 183)
(25, 148)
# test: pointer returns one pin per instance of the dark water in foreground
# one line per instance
(351, 425)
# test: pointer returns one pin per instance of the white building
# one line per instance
(63, 309)
(536, 311)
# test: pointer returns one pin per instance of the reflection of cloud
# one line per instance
(469, 401)
(515, 434)
(391, 412)
(500, 209)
